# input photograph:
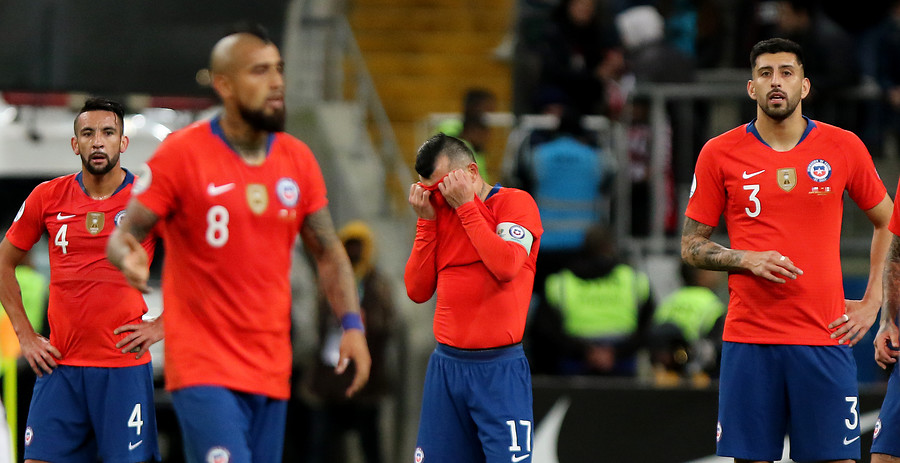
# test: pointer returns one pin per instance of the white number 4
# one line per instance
(60, 239)
(135, 420)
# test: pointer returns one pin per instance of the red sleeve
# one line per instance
(28, 225)
(894, 225)
(420, 276)
(864, 185)
(707, 200)
(503, 258)
(156, 188)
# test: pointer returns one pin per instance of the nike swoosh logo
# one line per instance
(134, 445)
(60, 216)
(746, 175)
(848, 442)
(518, 458)
(214, 190)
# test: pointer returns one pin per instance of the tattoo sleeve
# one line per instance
(892, 280)
(698, 250)
(335, 273)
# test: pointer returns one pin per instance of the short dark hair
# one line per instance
(775, 45)
(255, 29)
(103, 104)
(441, 144)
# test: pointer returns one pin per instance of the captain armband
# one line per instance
(517, 234)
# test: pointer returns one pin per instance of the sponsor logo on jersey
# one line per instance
(94, 222)
(19, 214)
(718, 431)
(819, 170)
(144, 177)
(257, 198)
(420, 455)
(287, 191)
(787, 178)
(29, 435)
(877, 429)
(218, 455)
(119, 216)
(693, 186)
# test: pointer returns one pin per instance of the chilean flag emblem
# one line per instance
(819, 170)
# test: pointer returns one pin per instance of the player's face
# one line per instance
(778, 84)
(441, 169)
(258, 86)
(98, 141)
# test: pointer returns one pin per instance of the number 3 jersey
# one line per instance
(230, 230)
(790, 202)
(89, 297)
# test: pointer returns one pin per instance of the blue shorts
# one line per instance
(80, 413)
(807, 392)
(476, 407)
(221, 425)
(887, 429)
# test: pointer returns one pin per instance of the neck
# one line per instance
(250, 143)
(484, 190)
(781, 135)
(103, 186)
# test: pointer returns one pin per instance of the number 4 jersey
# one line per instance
(230, 229)
(89, 297)
(790, 202)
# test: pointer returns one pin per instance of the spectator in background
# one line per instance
(473, 129)
(596, 313)
(685, 339)
(335, 414)
(570, 179)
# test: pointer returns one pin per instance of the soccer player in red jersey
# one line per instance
(233, 193)
(787, 366)
(96, 398)
(476, 246)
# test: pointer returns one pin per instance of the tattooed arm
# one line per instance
(888, 333)
(698, 250)
(337, 281)
(124, 248)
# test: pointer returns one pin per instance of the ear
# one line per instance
(750, 90)
(221, 85)
(805, 87)
(75, 146)
(123, 145)
(472, 168)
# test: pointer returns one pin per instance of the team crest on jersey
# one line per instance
(29, 435)
(94, 222)
(819, 170)
(19, 214)
(257, 198)
(119, 216)
(420, 455)
(143, 180)
(787, 178)
(287, 191)
(718, 431)
(218, 455)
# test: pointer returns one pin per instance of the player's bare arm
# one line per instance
(860, 315)
(888, 337)
(36, 349)
(699, 250)
(336, 278)
(140, 336)
(124, 248)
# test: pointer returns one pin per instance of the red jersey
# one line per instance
(790, 202)
(89, 297)
(230, 229)
(482, 276)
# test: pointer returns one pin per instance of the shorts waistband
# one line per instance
(481, 355)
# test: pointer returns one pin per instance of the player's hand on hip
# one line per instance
(354, 347)
(39, 353)
(858, 317)
(136, 264)
(140, 336)
(420, 200)
(771, 265)
(887, 343)
(457, 188)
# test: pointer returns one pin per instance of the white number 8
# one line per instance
(217, 229)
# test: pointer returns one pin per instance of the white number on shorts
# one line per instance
(852, 424)
(754, 190)
(515, 435)
(217, 226)
(60, 239)
(135, 420)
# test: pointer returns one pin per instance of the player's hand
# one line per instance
(855, 323)
(354, 347)
(39, 353)
(420, 200)
(887, 343)
(771, 265)
(457, 188)
(136, 264)
(140, 336)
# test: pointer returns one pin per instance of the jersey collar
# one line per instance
(751, 128)
(129, 179)
(493, 190)
(216, 127)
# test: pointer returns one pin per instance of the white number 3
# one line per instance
(754, 190)
(855, 414)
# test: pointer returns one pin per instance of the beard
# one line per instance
(779, 114)
(99, 170)
(259, 120)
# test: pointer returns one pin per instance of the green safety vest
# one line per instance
(34, 295)
(601, 307)
(693, 309)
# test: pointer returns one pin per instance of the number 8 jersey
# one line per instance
(790, 202)
(229, 231)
